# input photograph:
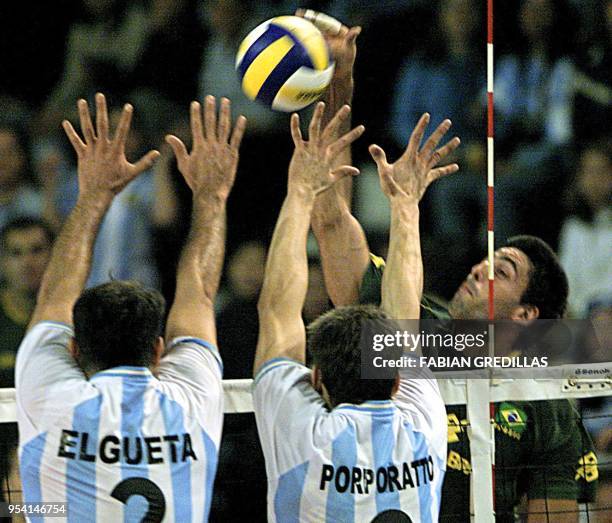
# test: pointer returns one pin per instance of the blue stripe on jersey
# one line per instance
(180, 471)
(383, 444)
(29, 466)
(212, 457)
(289, 494)
(81, 473)
(441, 467)
(385, 407)
(341, 506)
(420, 449)
(288, 65)
(132, 415)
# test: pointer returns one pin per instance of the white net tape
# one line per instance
(476, 394)
(454, 391)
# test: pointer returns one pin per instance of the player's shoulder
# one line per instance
(432, 308)
(46, 333)
(280, 370)
(45, 328)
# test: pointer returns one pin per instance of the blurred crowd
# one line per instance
(553, 142)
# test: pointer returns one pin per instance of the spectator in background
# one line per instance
(165, 77)
(240, 497)
(237, 323)
(229, 21)
(586, 237)
(534, 89)
(102, 51)
(534, 85)
(170, 59)
(447, 79)
(124, 246)
(25, 247)
(18, 196)
(266, 148)
(593, 100)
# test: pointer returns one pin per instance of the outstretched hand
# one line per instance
(416, 169)
(211, 166)
(311, 166)
(103, 169)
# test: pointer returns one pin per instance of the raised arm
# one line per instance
(342, 242)
(281, 328)
(209, 171)
(103, 171)
(404, 183)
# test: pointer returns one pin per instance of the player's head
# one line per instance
(13, 155)
(335, 348)
(25, 247)
(529, 284)
(118, 323)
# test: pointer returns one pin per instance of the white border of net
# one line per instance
(475, 393)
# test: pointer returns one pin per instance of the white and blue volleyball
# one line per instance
(284, 63)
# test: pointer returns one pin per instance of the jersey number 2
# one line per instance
(392, 516)
(147, 489)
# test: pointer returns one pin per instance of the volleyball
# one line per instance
(284, 63)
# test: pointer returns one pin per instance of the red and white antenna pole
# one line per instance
(490, 159)
(490, 212)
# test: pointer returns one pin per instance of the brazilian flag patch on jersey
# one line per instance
(511, 417)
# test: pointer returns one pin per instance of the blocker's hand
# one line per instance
(416, 169)
(212, 164)
(103, 169)
(311, 166)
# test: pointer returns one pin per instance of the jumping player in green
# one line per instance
(542, 450)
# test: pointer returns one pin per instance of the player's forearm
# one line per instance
(402, 284)
(343, 248)
(341, 240)
(70, 261)
(286, 278)
(340, 93)
(199, 270)
(281, 328)
(202, 258)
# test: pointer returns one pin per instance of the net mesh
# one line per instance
(529, 458)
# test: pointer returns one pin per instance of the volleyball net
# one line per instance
(470, 428)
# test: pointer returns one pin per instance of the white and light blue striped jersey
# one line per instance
(125, 443)
(355, 463)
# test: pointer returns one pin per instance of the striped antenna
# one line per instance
(490, 215)
(490, 159)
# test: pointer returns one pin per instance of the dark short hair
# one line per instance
(117, 323)
(23, 223)
(548, 287)
(334, 345)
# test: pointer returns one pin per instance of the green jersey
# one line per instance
(541, 447)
